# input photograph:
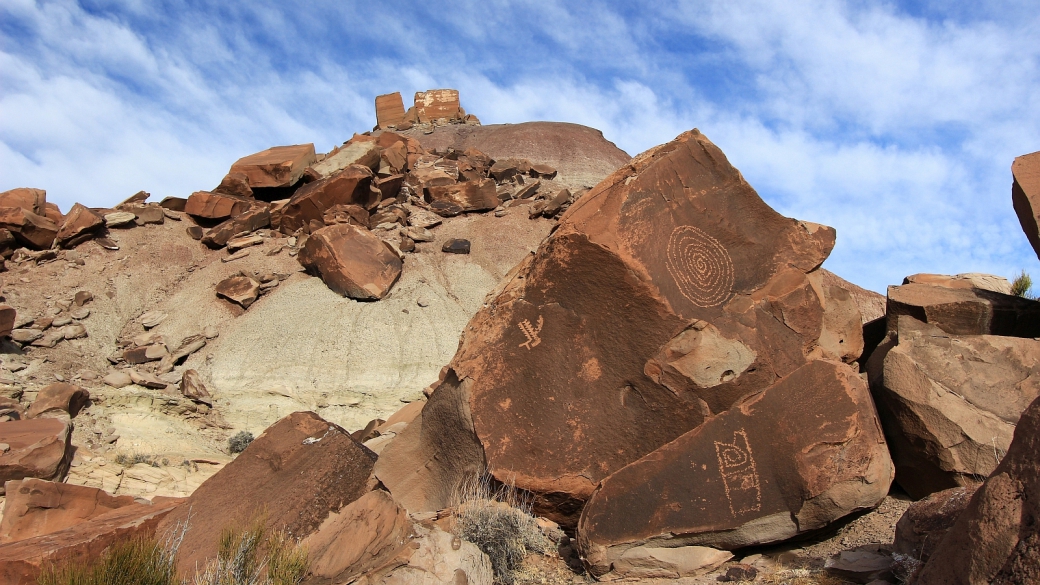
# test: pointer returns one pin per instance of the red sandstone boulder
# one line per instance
(352, 261)
(35, 507)
(28, 228)
(279, 166)
(81, 223)
(924, 524)
(997, 537)
(1025, 196)
(240, 290)
(949, 403)
(438, 104)
(788, 460)
(32, 200)
(8, 316)
(666, 296)
(351, 186)
(21, 562)
(365, 154)
(257, 216)
(469, 196)
(965, 311)
(39, 448)
(59, 399)
(389, 110)
(236, 184)
(216, 205)
(301, 469)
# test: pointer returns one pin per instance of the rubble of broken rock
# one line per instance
(664, 387)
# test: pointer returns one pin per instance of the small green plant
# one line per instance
(1021, 286)
(255, 556)
(499, 522)
(239, 441)
(131, 459)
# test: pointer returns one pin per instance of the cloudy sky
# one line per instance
(896, 123)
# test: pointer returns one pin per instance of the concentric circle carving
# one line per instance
(701, 267)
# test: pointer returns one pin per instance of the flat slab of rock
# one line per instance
(59, 399)
(34, 200)
(216, 205)
(119, 219)
(436, 104)
(301, 469)
(456, 246)
(791, 459)
(35, 507)
(1025, 196)
(644, 562)
(469, 196)
(965, 311)
(365, 154)
(972, 280)
(278, 166)
(389, 109)
(995, 540)
(240, 290)
(351, 261)
(79, 223)
(949, 403)
(257, 216)
(38, 448)
(28, 228)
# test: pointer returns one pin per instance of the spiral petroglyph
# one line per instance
(700, 266)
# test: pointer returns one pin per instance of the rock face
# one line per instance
(389, 110)
(970, 280)
(997, 538)
(1025, 196)
(651, 309)
(925, 523)
(965, 311)
(751, 475)
(437, 104)
(39, 448)
(300, 469)
(279, 166)
(349, 186)
(351, 261)
(35, 507)
(949, 403)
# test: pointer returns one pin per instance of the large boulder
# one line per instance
(1025, 196)
(29, 199)
(997, 537)
(257, 216)
(389, 110)
(949, 403)
(361, 153)
(30, 229)
(278, 166)
(788, 460)
(666, 295)
(59, 399)
(35, 507)
(971, 280)
(925, 523)
(351, 261)
(965, 311)
(39, 448)
(80, 224)
(469, 196)
(299, 470)
(350, 186)
(216, 206)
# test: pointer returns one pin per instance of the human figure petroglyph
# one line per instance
(531, 332)
(700, 266)
(739, 475)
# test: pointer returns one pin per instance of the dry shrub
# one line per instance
(499, 522)
(801, 576)
(255, 556)
(239, 442)
(138, 561)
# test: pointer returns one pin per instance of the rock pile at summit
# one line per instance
(666, 377)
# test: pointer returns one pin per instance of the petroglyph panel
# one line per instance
(700, 266)
(531, 332)
(739, 475)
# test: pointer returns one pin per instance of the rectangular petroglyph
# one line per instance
(739, 475)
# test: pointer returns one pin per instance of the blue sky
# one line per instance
(894, 123)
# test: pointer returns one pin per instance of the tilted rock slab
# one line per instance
(949, 403)
(666, 295)
(351, 261)
(39, 448)
(345, 187)
(1025, 196)
(278, 166)
(785, 461)
(35, 507)
(997, 537)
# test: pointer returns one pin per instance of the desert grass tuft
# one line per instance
(255, 556)
(137, 561)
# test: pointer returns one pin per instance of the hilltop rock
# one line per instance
(350, 186)
(965, 311)
(79, 224)
(1025, 196)
(299, 470)
(365, 154)
(389, 110)
(278, 166)
(970, 280)
(38, 448)
(949, 403)
(28, 228)
(32, 200)
(35, 507)
(351, 261)
(216, 205)
(997, 538)
(789, 460)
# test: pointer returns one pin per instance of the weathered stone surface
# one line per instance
(543, 171)
(173, 203)
(470, 196)
(351, 261)
(643, 562)
(8, 314)
(241, 290)
(35, 507)
(365, 154)
(389, 110)
(868, 564)
(436, 557)
(971, 280)
(997, 537)
(363, 537)
(21, 562)
(279, 166)
(788, 460)
(352, 214)
(150, 215)
(1025, 196)
(299, 470)
(347, 187)
(949, 403)
(59, 398)
(235, 184)
(436, 104)
(257, 216)
(193, 388)
(924, 524)
(965, 311)
(390, 186)
(79, 223)
(120, 219)
(28, 228)
(216, 205)
(39, 448)
(29, 199)
(456, 246)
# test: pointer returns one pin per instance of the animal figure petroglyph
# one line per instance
(700, 266)
(739, 475)
(531, 332)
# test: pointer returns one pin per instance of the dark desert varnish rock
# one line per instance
(351, 261)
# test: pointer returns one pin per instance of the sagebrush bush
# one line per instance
(499, 522)
(131, 459)
(239, 441)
